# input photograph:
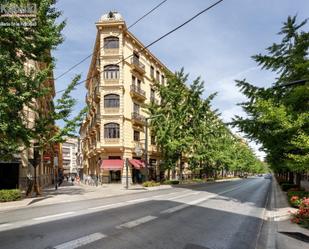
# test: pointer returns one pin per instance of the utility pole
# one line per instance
(127, 173)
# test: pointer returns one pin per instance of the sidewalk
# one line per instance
(287, 235)
(70, 193)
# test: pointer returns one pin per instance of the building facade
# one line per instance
(14, 174)
(69, 156)
(120, 81)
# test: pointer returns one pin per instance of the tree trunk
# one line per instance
(291, 177)
(298, 179)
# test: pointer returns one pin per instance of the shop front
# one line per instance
(139, 171)
(111, 170)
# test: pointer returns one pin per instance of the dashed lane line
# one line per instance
(139, 200)
(197, 201)
(81, 241)
(53, 216)
(137, 222)
(104, 206)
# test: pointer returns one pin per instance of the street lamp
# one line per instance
(146, 137)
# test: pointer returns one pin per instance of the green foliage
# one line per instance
(287, 186)
(171, 182)
(23, 88)
(150, 184)
(9, 195)
(278, 117)
(185, 126)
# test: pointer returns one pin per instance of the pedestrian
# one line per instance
(77, 179)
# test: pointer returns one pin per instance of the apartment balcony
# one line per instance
(138, 66)
(97, 95)
(111, 110)
(112, 141)
(111, 51)
(114, 81)
(137, 92)
(137, 118)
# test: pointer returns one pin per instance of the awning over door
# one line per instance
(112, 164)
(137, 164)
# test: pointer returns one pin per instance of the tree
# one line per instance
(278, 117)
(23, 87)
(185, 126)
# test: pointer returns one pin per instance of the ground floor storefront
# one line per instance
(119, 167)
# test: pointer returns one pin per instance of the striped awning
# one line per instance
(137, 164)
(112, 164)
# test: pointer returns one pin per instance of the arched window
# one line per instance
(111, 101)
(111, 130)
(111, 42)
(111, 72)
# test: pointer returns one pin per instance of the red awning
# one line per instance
(136, 163)
(112, 164)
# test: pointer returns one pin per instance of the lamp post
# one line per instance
(146, 137)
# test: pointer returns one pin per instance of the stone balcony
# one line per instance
(111, 141)
(138, 66)
(138, 118)
(137, 92)
(111, 110)
(111, 51)
(111, 81)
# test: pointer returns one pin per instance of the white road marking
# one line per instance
(53, 216)
(178, 196)
(81, 241)
(5, 225)
(174, 209)
(137, 222)
(104, 206)
(120, 204)
(139, 200)
(194, 202)
(158, 196)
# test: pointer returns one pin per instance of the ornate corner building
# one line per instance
(120, 81)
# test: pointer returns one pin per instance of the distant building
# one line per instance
(69, 156)
(114, 129)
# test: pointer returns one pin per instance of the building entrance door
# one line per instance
(9, 174)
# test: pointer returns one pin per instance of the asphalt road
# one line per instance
(220, 215)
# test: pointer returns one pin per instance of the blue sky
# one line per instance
(217, 46)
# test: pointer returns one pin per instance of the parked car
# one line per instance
(268, 176)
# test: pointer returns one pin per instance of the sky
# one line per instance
(217, 45)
